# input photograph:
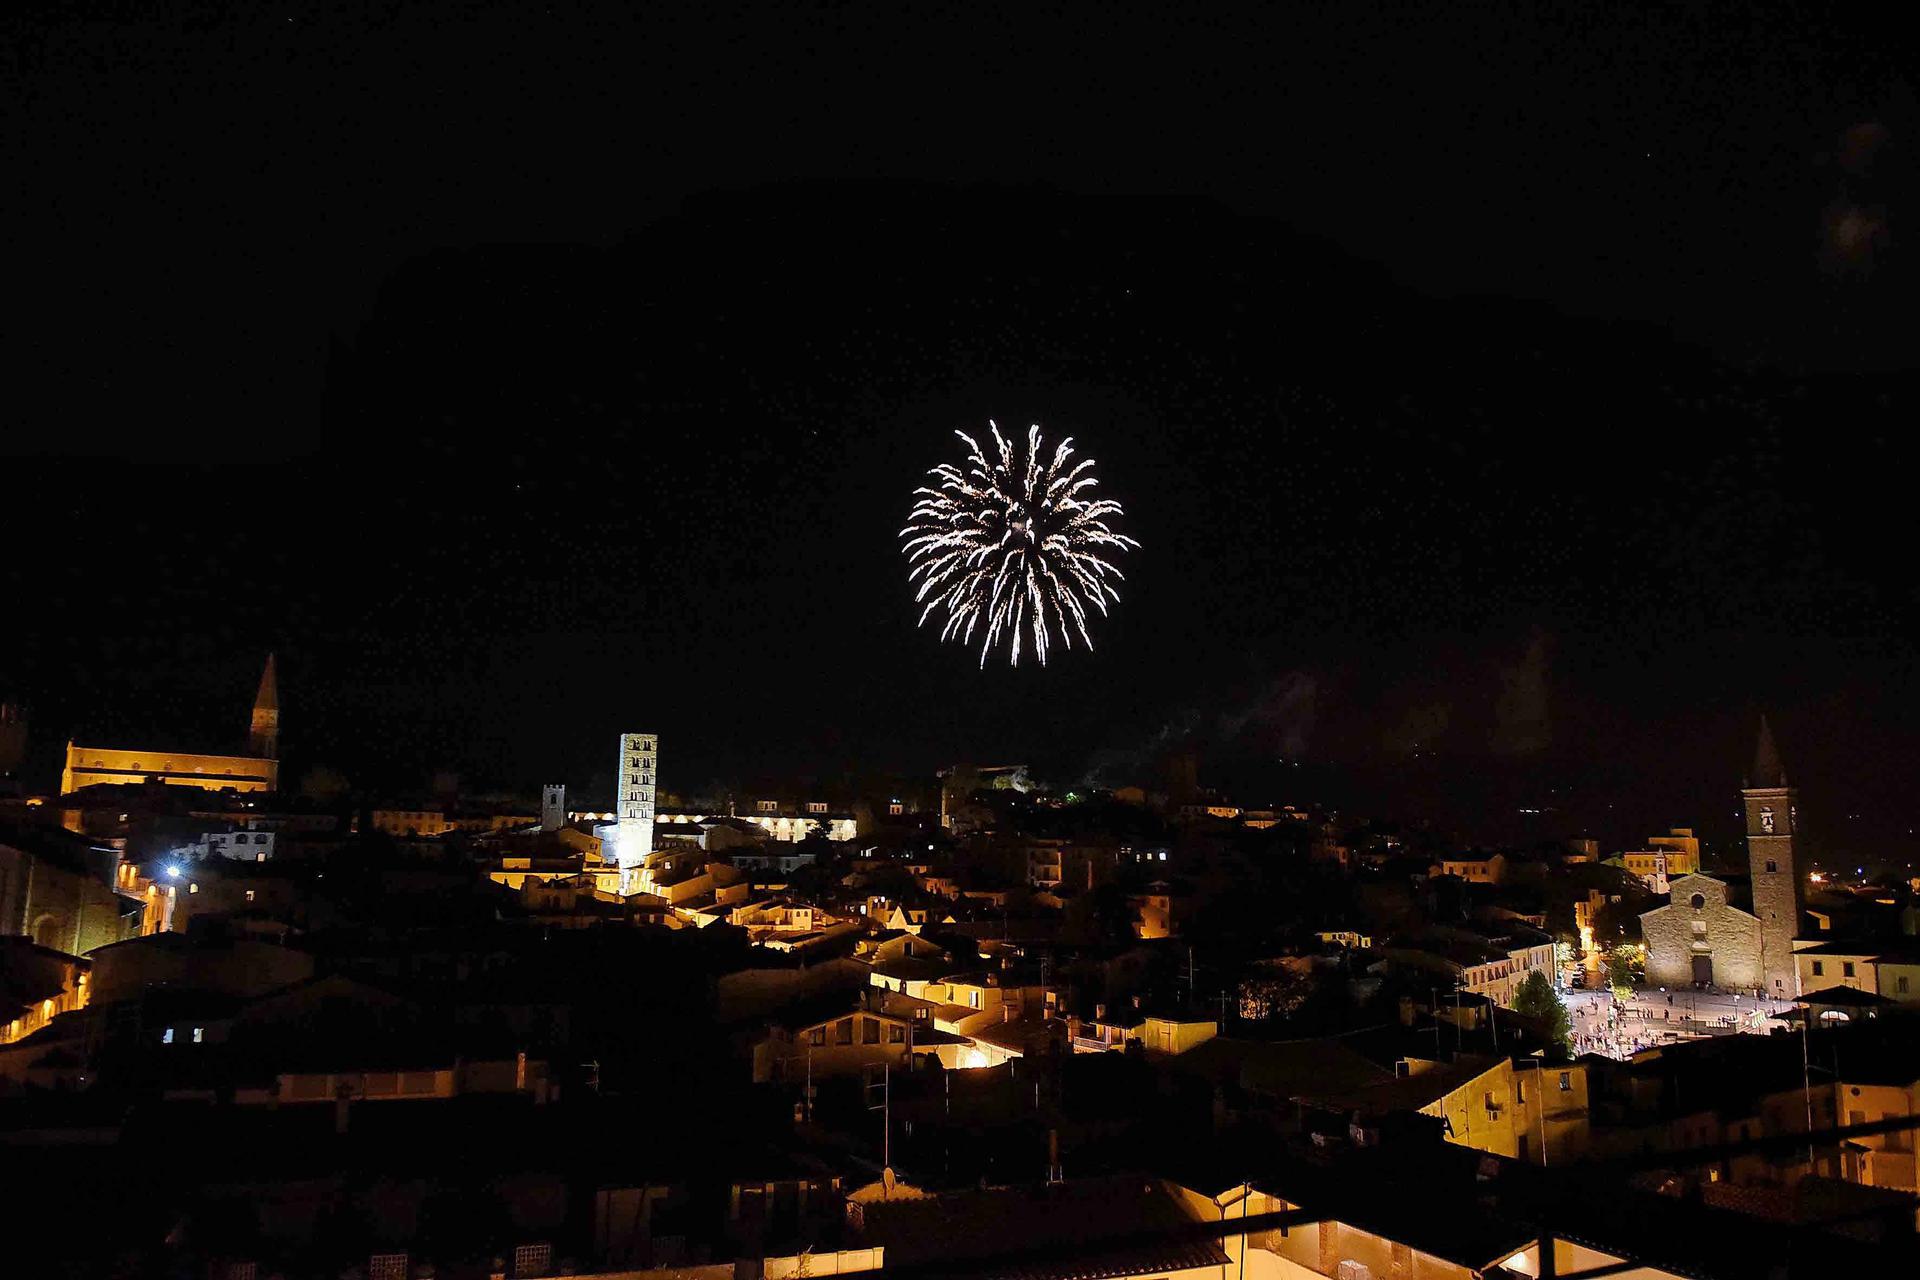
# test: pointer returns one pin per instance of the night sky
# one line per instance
(1510, 405)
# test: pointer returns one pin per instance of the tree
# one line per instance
(1620, 971)
(1537, 999)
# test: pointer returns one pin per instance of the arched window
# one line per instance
(1699, 900)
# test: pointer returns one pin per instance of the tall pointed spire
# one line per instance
(264, 737)
(1767, 769)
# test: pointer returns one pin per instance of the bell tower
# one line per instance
(263, 737)
(634, 792)
(1773, 858)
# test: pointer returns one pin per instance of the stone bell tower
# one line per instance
(263, 736)
(1773, 857)
(634, 792)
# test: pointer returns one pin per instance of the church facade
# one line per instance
(1706, 934)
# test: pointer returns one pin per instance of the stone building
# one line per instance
(1733, 933)
(58, 890)
(1703, 936)
(258, 771)
(1773, 860)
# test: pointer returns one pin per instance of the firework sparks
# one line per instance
(1012, 544)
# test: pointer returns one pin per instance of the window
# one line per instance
(387, 1266)
(896, 808)
(869, 1031)
(1818, 969)
(897, 1034)
(1846, 968)
(1900, 984)
(814, 806)
(1772, 865)
(1566, 1082)
(249, 895)
(843, 1031)
(199, 1035)
(166, 1037)
(769, 806)
(532, 1259)
(1698, 901)
(193, 886)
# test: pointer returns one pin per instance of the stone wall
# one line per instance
(1732, 937)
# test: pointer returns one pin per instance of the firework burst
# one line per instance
(1011, 544)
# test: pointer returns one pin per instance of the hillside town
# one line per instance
(960, 1024)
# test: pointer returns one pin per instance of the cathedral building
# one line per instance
(259, 770)
(1738, 932)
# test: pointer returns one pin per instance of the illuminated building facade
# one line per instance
(257, 772)
(1666, 857)
(633, 809)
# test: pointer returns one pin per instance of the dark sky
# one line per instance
(1525, 388)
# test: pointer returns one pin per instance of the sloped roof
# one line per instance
(1282, 1068)
(1095, 1229)
(1844, 997)
(1767, 769)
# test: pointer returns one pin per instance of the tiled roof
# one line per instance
(1098, 1229)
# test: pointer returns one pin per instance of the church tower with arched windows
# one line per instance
(1773, 858)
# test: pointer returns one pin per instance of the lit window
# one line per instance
(193, 886)
(387, 1266)
(166, 1037)
(199, 1035)
(532, 1259)
(1566, 1082)
(249, 895)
